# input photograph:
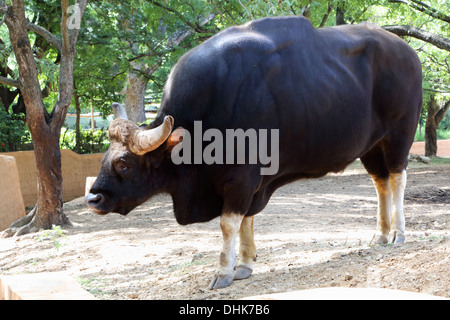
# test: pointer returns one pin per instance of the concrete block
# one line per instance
(75, 169)
(11, 202)
(42, 286)
(89, 182)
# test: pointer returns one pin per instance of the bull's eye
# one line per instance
(121, 167)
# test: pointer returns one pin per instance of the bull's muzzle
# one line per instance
(94, 202)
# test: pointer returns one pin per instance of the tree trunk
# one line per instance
(77, 120)
(45, 128)
(340, 13)
(135, 94)
(431, 129)
(138, 75)
(49, 209)
(435, 114)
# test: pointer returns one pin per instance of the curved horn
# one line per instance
(145, 141)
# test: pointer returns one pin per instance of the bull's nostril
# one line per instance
(93, 200)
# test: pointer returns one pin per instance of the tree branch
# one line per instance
(435, 90)
(196, 27)
(406, 30)
(68, 52)
(425, 8)
(10, 82)
(29, 81)
(325, 17)
(442, 111)
(47, 35)
(65, 26)
(174, 40)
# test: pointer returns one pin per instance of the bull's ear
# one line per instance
(175, 138)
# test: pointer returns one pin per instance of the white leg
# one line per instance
(398, 185)
(384, 193)
(230, 224)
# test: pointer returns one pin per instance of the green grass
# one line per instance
(441, 135)
(438, 160)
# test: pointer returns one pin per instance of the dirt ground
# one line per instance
(314, 233)
(442, 151)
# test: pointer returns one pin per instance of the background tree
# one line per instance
(126, 50)
(151, 54)
(435, 114)
(45, 127)
(429, 22)
(425, 26)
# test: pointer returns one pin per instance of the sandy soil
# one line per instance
(442, 151)
(313, 233)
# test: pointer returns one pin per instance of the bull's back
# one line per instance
(330, 92)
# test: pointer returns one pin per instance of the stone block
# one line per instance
(42, 286)
(11, 202)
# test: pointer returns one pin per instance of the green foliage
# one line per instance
(13, 131)
(116, 36)
(89, 142)
(55, 235)
(442, 134)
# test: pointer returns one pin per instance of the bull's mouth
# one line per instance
(99, 212)
(103, 213)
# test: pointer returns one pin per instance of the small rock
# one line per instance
(197, 257)
(132, 295)
(348, 277)
(419, 158)
(379, 257)
(425, 159)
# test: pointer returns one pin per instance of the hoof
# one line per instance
(220, 281)
(242, 272)
(396, 237)
(380, 239)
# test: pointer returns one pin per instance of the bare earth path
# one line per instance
(313, 233)
(443, 148)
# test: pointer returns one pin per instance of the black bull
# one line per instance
(333, 95)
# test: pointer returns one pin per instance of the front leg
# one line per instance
(247, 250)
(230, 224)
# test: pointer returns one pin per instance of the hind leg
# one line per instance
(396, 154)
(375, 164)
(390, 217)
(384, 193)
(386, 163)
(398, 184)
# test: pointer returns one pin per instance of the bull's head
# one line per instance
(128, 174)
